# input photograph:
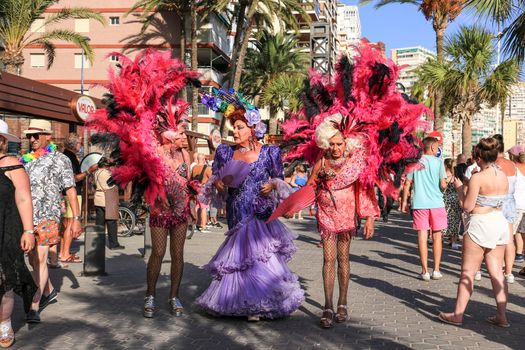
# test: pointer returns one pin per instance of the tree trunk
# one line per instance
(466, 137)
(240, 16)
(194, 66)
(182, 55)
(440, 25)
(273, 121)
(242, 55)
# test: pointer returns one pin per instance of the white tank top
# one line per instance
(519, 190)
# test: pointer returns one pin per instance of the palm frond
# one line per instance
(76, 12)
(69, 36)
(514, 38)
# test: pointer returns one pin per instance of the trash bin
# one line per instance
(95, 251)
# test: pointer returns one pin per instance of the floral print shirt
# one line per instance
(48, 176)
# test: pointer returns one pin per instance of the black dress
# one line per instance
(14, 274)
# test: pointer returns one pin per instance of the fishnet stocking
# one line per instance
(159, 240)
(336, 247)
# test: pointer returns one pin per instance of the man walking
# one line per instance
(49, 172)
(428, 207)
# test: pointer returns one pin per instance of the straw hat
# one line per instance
(4, 131)
(38, 126)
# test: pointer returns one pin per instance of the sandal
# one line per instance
(7, 338)
(495, 322)
(327, 319)
(444, 319)
(71, 259)
(342, 314)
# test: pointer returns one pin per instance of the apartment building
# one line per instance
(411, 57)
(121, 35)
(348, 27)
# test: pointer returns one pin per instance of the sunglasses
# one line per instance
(35, 136)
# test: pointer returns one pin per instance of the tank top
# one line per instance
(519, 191)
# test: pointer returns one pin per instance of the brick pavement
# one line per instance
(389, 307)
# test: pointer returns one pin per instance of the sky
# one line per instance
(402, 25)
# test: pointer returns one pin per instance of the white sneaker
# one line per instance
(436, 275)
(477, 276)
(509, 278)
(425, 276)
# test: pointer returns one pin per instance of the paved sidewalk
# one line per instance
(389, 307)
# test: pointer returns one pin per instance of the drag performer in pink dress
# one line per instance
(357, 131)
(143, 125)
(250, 273)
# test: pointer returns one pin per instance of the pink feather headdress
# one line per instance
(374, 115)
(141, 105)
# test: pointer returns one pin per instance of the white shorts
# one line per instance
(517, 222)
(488, 230)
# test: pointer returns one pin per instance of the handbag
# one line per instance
(111, 202)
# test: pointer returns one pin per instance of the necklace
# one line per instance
(244, 149)
(29, 157)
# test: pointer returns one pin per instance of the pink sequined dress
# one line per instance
(340, 197)
(178, 208)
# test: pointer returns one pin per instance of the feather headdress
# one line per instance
(141, 105)
(375, 117)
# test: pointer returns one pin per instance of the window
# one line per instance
(114, 58)
(38, 60)
(38, 26)
(82, 25)
(114, 21)
(78, 61)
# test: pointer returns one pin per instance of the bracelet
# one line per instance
(31, 232)
(77, 217)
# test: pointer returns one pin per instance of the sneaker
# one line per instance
(520, 258)
(477, 276)
(118, 247)
(45, 300)
(149, 306)
(509, 278)
(218, 225)
(455, 246)
(33, 317)
(202, 229)
(436, 275)
(425, 276)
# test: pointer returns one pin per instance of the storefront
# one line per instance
(22, 99)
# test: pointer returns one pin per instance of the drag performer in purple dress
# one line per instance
(250, 273)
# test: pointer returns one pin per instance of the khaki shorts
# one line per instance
(69, 212)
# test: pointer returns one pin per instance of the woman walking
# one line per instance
(452, 206)
(16, 237)
(486, 233)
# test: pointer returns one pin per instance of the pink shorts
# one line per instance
(201, 205)
(430, 219)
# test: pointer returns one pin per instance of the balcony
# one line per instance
(312, 8)
(209, 73)
(212, 36)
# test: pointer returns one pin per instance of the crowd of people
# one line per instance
(357, 167)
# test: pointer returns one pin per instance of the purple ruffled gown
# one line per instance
(250, 272)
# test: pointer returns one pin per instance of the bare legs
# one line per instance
(510, 252)
(422, 237)
(65, 243)
(473, 255)
(38, 260)
(7, 335)
(159, 239)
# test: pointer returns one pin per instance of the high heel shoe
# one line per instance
(149, 306)
(342, 314)
(176, 307)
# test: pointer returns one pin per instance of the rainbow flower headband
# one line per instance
(29, 157)
(227, 102)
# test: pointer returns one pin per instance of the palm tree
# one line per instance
(183, 9)
(262, 14)
(16, 19)
(468, 77)
(273, 56)
(510, 12)
(283, 93)
(441, 12)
